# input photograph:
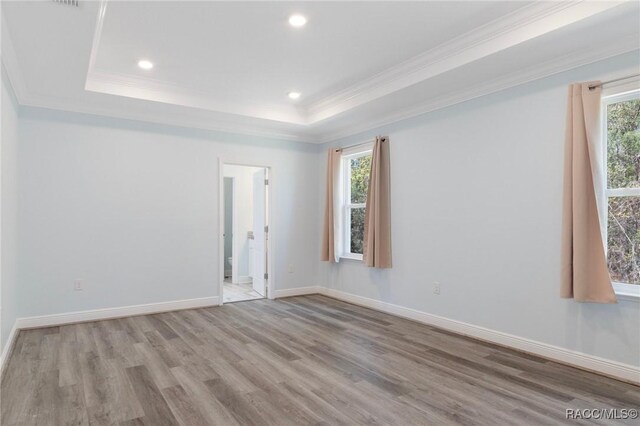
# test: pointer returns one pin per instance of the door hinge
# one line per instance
(266, 276)
(266, 228)
(266, 181)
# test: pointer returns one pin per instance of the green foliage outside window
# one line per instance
(623, 171)
(360, 168)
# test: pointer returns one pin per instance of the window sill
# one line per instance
(629, 292)
(352, 257)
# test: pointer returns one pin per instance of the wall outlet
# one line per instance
(291, 269)
(436, 288)
(77, 285)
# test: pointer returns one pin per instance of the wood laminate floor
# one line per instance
(296, 361)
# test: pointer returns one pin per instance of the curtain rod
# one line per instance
(384, 138)
(614, 81)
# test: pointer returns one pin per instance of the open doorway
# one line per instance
(245, 236)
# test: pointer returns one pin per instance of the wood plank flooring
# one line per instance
(297, 361)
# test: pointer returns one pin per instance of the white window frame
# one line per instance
(349, 154)
(622, 290)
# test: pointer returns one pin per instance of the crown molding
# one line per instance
(517, 27)
(542, 70)
(157, 91)
(10, 62)
(521, 25)
(170, 118)
(25, 98)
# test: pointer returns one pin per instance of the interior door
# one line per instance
(259, 263)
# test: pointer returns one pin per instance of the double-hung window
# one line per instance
(356, 164)
(621, 137)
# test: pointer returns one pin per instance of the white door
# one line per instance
(259, 263)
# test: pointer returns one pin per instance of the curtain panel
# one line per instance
(377, 221)
(585, 274)
(332, 218)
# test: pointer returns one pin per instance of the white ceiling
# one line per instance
(229, 65)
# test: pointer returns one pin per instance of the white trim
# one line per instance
(542, 70)
(621, 371)
(627, 92)
(521, 25)
(348, 154)
(622, 192)
(183, 117)
(624, 291)
(97, 34)
(352, 256)
(257, 127)
(110, 313)
(10, 62)
(299, 291)
(8, 348)
(244, 279)
(221, 232)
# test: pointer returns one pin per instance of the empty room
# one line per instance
(319, 213)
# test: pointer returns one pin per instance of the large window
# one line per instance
(621, 133)
(356, 163)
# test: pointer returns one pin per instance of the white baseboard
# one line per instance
(625, 372)
(109, 313)
(300, 291)
(8, 347)
(244, 280)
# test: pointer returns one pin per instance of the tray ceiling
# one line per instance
(229, 65)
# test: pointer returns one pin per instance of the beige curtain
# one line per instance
(377, 220)
(331, 233)
(585, 275)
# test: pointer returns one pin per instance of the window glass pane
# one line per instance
(623, 144)
(623, 239)
(357, 230)
(360, 178)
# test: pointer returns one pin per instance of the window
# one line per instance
(621, 134)
(356, 163)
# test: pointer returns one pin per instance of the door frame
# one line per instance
(270, 222)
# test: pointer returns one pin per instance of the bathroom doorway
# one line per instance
(246, 230)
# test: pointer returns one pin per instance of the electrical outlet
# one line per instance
(77, 285)
(436, 288)
(291, 269)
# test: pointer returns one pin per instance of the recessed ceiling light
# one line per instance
(297, 20)
(294, 95)
(145, 65)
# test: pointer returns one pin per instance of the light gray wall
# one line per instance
(132, 210)
(9, 210)
(476, 205)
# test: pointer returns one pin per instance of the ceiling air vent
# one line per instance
(73, 3)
